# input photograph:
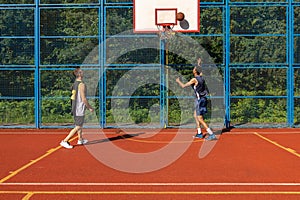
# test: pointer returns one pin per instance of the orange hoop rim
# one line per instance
(166, 33)
(170, 25)
(166, 24)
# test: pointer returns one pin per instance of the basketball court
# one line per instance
(242, 164)
(151, 164)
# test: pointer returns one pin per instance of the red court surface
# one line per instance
(242, 164)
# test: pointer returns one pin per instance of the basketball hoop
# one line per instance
(166, 31)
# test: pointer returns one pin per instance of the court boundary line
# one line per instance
(32, 162)
(52, 150)
(31, 193)
(292, 151)
(152, 184)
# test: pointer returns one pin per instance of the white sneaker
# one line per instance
(66, 145)
(82, 142)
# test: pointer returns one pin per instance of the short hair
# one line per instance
(76, 72)
(198, 69)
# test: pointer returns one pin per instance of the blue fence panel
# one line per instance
(249, 42)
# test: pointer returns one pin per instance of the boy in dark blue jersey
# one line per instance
(201, 93)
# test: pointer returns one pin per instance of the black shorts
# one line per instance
(79, 120)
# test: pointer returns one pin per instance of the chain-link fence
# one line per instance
(250, 50)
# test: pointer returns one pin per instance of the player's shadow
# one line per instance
(119, 137)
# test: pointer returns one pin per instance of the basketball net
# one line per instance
(166, 31)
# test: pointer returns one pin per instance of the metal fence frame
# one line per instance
(226, 5)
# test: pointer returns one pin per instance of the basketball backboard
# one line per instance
(148, 14)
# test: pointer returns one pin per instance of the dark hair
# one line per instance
(198, 69)
(76, 72)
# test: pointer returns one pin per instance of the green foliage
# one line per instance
(211, 20)
(69, 34)
(17, 22)
(258, 20)
(260, 82)
(118, 20)
(297, 111)
(68, 22)
(17, 83)
(16, 112)
(258, 110)
(68, 1)
(56, 83)
(56, 107)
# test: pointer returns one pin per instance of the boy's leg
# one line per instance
(72, 133)
(65, 143)
(79, 132)
(201, 121)
(79, 123)
(211, 134)
(197, 123)
(81, 141)
(202, 109)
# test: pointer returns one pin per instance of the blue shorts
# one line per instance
(201, 106)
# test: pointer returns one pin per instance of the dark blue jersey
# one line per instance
(200, 89)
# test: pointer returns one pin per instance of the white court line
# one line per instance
(151, 184)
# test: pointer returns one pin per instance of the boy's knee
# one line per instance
(78, 128)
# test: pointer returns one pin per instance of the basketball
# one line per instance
(180, 16)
